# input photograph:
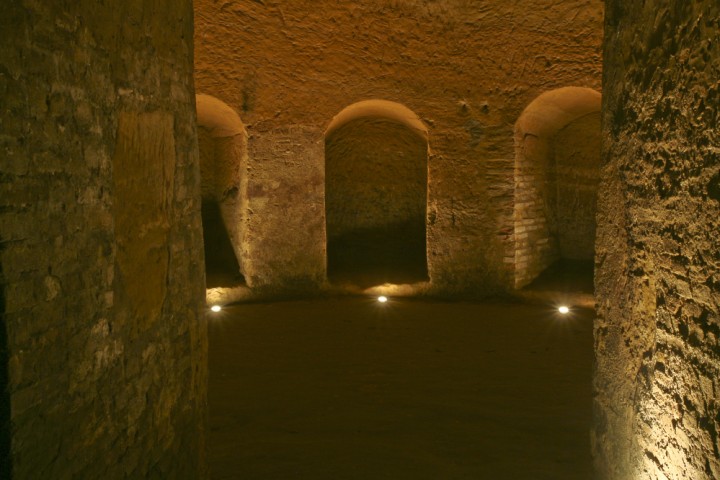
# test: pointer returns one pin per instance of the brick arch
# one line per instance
(376, 184)
(378, 108)
(556, 176)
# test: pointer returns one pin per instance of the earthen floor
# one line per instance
(352, 389)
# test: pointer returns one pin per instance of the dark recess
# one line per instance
(367, 257)
(221, 266)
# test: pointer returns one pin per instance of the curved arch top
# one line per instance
(378, 108)
(552, 110)
(217, 116)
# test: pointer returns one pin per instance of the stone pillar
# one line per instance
(285, 230)
(657, 377)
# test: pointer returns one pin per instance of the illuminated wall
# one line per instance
(467, 71)
(657, 378)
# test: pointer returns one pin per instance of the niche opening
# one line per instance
(557, 172)
(376, 157)
(222, 142)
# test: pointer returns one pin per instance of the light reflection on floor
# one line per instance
(355, 389)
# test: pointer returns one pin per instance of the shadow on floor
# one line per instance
(566, 275)
(566, 281)
(367, 257)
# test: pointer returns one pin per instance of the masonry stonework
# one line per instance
(557, 165)
(100, 241)
(577, 167)
(103, 346)
(285, 229)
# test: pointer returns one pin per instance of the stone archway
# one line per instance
(376, 155)
(222, 141)
(557, 171)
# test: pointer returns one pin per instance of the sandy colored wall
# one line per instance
(657, 378)
(102, 273)
(577, 166)
(467, 70)
(223, 163)
(285, 228)
(376, 175)
(206, 147)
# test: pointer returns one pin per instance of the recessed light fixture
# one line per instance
(382, 299)
(564, 310)
(216, 308)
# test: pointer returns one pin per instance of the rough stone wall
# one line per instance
(577, 167)
(467, 69)
(100, 240)
(657, 378)
(285, 229)
(5, 425)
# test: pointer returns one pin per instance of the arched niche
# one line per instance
(557, 171)
(222, 141)
(376, 155)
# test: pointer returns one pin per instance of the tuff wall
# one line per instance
(100, 240)
(466, 69)
(657, 377)
(577, 167)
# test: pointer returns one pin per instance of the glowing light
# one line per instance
(564, 310)
(216, 308)
(382, 299)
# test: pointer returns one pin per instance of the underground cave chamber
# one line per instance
(376, 155)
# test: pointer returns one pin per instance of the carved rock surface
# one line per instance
(657, 377)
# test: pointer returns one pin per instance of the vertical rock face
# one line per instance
(466, 69)
(657, 379)
(285, 228)
(100, 241)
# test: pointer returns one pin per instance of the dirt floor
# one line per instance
(353, 389)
